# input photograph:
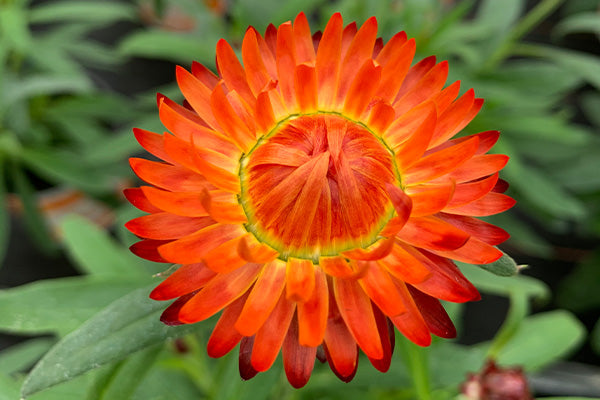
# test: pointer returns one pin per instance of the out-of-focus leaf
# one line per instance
(36, 85)
(9, 389)
(129, 324)
(503, 286)
(581, 173)
(121, 381)
(445, 371)
(595, 338)
(32, 216)
(542, 339)
(13, 26)
(97, 12)
(165, 382)
(499, 15)
(579, 290)
(586, 66)
(168, 46)
(504, 266)
(59, 305)
(590, 104)
(4, 218)
(94, 252)
(23, 355)
(544, 127)
(584, 22)
(522, 236)
(65, 167)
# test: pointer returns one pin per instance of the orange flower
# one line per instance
(315, 196)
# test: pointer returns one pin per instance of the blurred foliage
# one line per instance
(61, 126)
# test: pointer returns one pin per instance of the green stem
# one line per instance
(519, 307)
(417, 363)
(526, 24)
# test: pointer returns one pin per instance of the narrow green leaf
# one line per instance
(13, 26)
(578, 23)
(98, 12)
(504, 266)
(503, 286)
(4, 217)
(9, 388)
(94, 252)
(129, 324)
(33, 218)
(168, 46)
(595, 337)
(66, 167)
(542, 339)
(18, 357)
(121, 381)
(579, 290)
(499, 15)
(44, 84)
(59, 305)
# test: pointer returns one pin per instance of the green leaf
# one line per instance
(499, 15)
(20, 356)
(13, 27)
(595, 338)
(97, 12)
(121, 381)
(44, 84)
(9, 389)
(66, 167)
(4, 217)
(504, 266)
(59, 305)
(590, 104)
(579, 290)
(33, 218)
(583, 22)
(95, 253)
(542, 339)
(129, 324)
(169, 46)
(503, 286)
(166, 383)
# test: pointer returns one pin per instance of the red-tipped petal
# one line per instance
(298, 360)
(223, 339)
(186, 279)
(432, 233)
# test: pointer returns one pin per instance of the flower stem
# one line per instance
(519, 307)
(527, 23)
(417, 363)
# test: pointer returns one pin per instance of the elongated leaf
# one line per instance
(13, 26)
(18, 357)
(122, 380)
(97, 12)
(503, 286)
(94, 252)
(543, 338)
(46, 84)
(66, 167)
(168, 46)
(59, 305)
(34, 221)
(505, 266)
(579, 290)
(4, 218)
(595, 338)
(9, 389)
(583, 22)
(499, 15)
(129, 324)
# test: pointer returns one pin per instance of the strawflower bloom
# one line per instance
(313, 194)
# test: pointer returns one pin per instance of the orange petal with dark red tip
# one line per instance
(482, 230)
(148, 249)
(465, 193)
(185, 279)
(378, 285)
(377, 250)
(247, 370)
(436, 318)
(386, 332)
(262, 299)
(432, 233)
(473, 252)
(490, 204)
(411, 324)
(478, 167)
(219, 293)
(170, 316)
(223, 339)
(430, 199)
(298, 360)
(328, 59)
(404, 264)
(164, 226)
(138, 199)
(312, 314)
(339, 345)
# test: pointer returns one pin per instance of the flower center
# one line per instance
(315, 186)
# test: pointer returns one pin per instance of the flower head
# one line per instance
(316, 197)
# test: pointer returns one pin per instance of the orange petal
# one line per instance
(411, 324)
(265, 119)
(251, 250)
(405, 127)
(231, 123)
(339, 345)
(170, 316)
(193, 248)
(247, 371)
(404, 263)
(232, 72)
(441, 162)
(148, 249)
(300, 279)
(270, 336)
(223, 211)
(430, 84)
(305, 50)
(186, 204)
(490, 204)
(453, 117)
(414, 75)
(396, 57)
(413, 148)
(432, 233)
(387, 334)
(139, 200)
(225, 258)
(197, 94)
(262, 299)
(328, 60)
(482, 230)
(184, 280)
(478, 167)
(355, 307)
(153, 143)
(381, 117)
(378, 285)
(223, 339)
(286, 63)
(464, 193)
(298, 360)
(377, 250)
(360, 92)
(219, 293)
(163, 226)
(430, 199)
(312, 314)
(473, 252)
(436, 318)
(204, 75)
(340, 268)
(166, 176)
(401, 201)
(256, 72)
(305, 85)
